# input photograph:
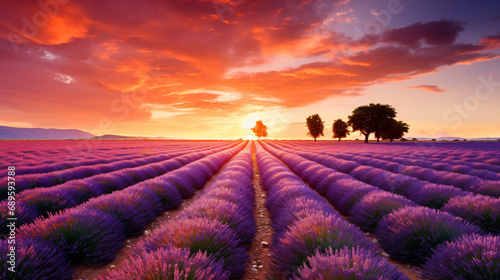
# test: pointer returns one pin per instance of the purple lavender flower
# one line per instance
(184, 184)
(348, 263)
(86, 236)
(325, 183)
(313, 234)
(435, 196)
(81, 190)
(34, 259)
(117, 205)
(347, 193)
(46, 200)
(481, 210)
(169, 263)
(24, 214)
(368, 212)
(217, 240)
(410, 233)
(490, 188)
(307, 173)
(167, 192)
(469, 257)
(145, 201)
(240, 221)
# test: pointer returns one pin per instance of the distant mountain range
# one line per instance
(17, 133)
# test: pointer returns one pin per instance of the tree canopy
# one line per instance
(259, 129)
(394, 130)
(372, 118)
(340, 129)
(315, 126)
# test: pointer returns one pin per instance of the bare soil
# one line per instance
(260, 255)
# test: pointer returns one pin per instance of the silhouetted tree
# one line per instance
(259, 129)
(340, 129)
(371, 118)
(315, 126)
(395, 130)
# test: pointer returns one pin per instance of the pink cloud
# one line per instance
(430, 88)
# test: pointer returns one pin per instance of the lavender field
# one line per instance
(249, 210)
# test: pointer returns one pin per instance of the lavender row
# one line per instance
(38, 154)
(32, 181)
(465, 182)
(208, 238)
(61, 163)
(33, 203)
(94, 232)
(437, 166)
(412, 233)
(311, 240)
(483, 170)
(468, 152)
(344, 192)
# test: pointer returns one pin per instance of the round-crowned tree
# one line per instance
(340, 129)
(260, 129)
(315, 126)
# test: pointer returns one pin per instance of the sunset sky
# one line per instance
(210, 69)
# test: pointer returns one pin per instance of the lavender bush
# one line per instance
(435, 196)
(34, 259)
(410, 233)
(481, 210)
(368, 212)
(469, 257)
(348, 263)
(312, 234)
(86, 236)
(169, 263)
(212, 237)
(228, 213)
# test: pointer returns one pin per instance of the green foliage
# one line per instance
(260, 129)
(340, 129)
(315, 126)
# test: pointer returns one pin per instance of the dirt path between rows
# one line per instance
(260, 254)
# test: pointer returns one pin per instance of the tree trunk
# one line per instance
(259, 138)
(378, 141)
(392, 140)
(366, 138)
(314, 139)
(339, 139)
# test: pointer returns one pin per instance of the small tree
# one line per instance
(394, 130)
(259, 129)
(315, 126)
(340, 129)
